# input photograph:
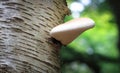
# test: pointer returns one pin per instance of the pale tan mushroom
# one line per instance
(67, 32)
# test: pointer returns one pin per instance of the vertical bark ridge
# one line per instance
(24, 29)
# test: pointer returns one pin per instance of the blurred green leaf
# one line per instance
(97, 46)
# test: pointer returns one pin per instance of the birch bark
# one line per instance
(24, 33)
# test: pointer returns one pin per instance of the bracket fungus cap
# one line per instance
(67, 32)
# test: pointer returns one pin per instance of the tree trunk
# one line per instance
(116, 9)
(24, 34)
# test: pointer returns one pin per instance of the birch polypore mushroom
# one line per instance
(67, 32)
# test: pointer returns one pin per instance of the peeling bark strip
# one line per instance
(24, 27)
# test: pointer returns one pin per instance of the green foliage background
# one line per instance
(95, 49)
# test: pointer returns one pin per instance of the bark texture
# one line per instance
(24, 33)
